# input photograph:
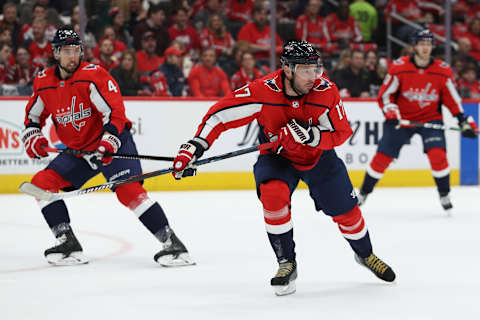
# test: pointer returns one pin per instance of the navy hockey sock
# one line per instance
(153, 218)
(362, 246)
(443, 185)
(56, 213)
(283, 245)
(369, 183)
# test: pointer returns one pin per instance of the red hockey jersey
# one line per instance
(420, 92)
(265, 101)
(82, 107)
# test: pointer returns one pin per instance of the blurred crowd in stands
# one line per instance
(206, 48)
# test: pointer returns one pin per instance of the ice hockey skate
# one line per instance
(67, 251)
(174, 253)
(284, 281)
(377, 266)
(446, 204)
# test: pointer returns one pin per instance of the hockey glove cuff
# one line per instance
(468, 126)
(34, 142)
(189, 153)
(392, 114)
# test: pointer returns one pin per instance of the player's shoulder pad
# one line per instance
(45, 78)
(323, 84)
(441, 66)
(399, 64)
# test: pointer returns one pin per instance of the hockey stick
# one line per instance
(41, 194)
(115, 155)
(435, 126)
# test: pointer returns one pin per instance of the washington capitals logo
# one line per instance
(65, 116)
(423, 96)
(272, 84)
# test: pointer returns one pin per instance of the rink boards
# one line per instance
(161, 125)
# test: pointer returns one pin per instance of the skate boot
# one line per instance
(446, 203)
(361, 197)
(377, 266)
(66, 252)
(174, 253)
(284, 281)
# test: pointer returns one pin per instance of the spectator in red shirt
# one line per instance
(106, 59)
(257, 33)
(311, 27)
(39, 11)
(201, 18)
(23, 72)
(39, 47)
(206, 79)
(342, 28)
(468, 85)
(147, 58)
(5, 54)
(216, 36)
(118, 46)
(239, 12)
(247, 72)
(155, 23)
(184, 33)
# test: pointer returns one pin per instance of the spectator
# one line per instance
(118, 23)
(206, 79)
(238, 49)
(147, 58)
(39, 11)
(408, 9)
(22, 73)
(353, 81)
(172, 72)
(216, 36)
(126, 74)
(464, 52)
(118, 46)
(11, 21)
(247, 72)
(342, 28)
(473, 35)
(311, 27)
(343, 62)
(5, 34)
(376, 72)
(468, 85)
(257, 33)
(154, 23)
(185, 33)
(136, 14)
(366, 16)
(5, 55)
(106, 58)
(239, 12)
(39, 47)
(200, 19)
(89, 43)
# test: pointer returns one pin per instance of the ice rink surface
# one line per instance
(436, 258)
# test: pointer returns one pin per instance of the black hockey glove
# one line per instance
(468, 126)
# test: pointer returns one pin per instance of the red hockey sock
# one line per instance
(275, 198)
(438, 162)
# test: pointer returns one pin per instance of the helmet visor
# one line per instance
(309, 71)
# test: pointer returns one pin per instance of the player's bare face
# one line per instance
(69, 58)
(305, 76)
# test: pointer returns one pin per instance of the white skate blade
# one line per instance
(58, 259)
(170, 260)
(285, 290)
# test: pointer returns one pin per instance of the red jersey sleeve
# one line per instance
(35, 112)
(235, 110)
(449, 94)
(106, 97)
(388, 90)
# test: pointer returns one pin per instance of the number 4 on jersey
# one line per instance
(111, 86)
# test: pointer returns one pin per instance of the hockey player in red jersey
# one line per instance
(86, 107)
(414, 89)
(301, 112)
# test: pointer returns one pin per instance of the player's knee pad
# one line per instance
(275, 198)
(379, 164)
(438, 162)
(351, 224)
(49, 180)
(133, 195)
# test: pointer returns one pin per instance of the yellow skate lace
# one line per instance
(376, 264)
(284, 269)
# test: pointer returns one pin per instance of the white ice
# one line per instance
(436, 259)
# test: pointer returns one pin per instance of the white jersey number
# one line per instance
(111, 86)
(246, 91)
